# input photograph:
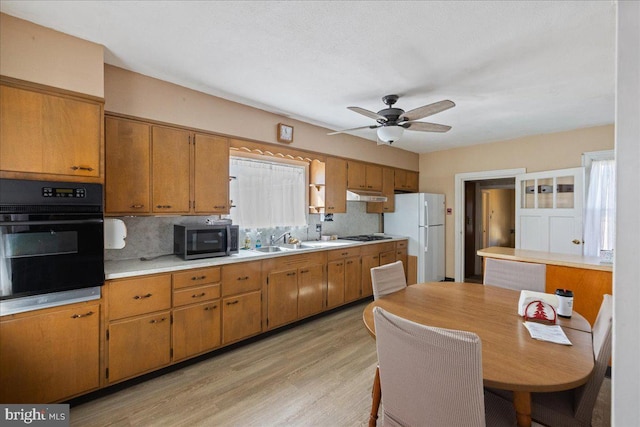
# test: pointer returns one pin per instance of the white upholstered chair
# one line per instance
(433, 376)
(387, 279)
(515, 275)
(575, 407)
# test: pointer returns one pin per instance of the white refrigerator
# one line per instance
(420, 217)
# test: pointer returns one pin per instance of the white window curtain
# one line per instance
(267, 194)
(599, 230)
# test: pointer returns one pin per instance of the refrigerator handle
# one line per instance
(426, 238)
(426, 213)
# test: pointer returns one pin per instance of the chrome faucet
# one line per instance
(273, 239)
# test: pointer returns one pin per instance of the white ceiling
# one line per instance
(514, 68)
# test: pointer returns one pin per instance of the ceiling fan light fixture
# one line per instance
(390, 133)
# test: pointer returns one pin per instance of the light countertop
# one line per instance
(575, 261)
(169, 263)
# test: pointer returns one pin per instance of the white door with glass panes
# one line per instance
(549, 209)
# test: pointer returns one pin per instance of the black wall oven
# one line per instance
(51, 243)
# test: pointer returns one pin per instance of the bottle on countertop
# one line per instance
(247, 242)
(258, 242)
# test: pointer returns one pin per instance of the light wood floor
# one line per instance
(316, 374)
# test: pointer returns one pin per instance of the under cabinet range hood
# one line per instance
(365, 196)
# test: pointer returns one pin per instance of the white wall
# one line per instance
(626, 277)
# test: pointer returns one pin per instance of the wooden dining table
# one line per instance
(511, 359)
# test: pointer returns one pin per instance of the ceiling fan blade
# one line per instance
(368, 113)
(349, 130)
(425, 127)
(426, 110)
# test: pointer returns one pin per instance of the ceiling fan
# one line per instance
(393, 121)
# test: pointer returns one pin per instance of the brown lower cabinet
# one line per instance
(343, 276)
(241, 316)
(139, 326)
(150, 322)
(196, 312)
(368, 262)
(295, 287)
(50, 355)
(139, 345)
(196, 329)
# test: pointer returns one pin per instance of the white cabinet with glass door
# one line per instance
(549, 210)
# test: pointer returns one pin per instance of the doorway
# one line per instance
(461, 247)
(489, 221)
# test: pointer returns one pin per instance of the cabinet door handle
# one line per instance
(211, 308)
(345, 253)
(220, 207)
(142, 296)
(576, 241)
(243, 278)
(136, 206)
(163, 206)
(198, 277)
(232, 302)
(198, 295)
(158, 321)
(291, 274)
(82, 168)
(304, 271)
(78, 316)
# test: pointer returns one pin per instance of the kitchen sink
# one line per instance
(293, 246)
(269, 249)
(283, 247)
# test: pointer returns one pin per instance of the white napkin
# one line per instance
(527, 296)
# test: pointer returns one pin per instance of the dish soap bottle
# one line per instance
(258, 242)
(247, 242)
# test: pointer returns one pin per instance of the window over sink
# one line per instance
(268, 193)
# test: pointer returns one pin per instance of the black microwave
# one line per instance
(205, 241)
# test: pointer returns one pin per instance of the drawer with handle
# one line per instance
(196, 294)
(242, 277)
(195, 277)
(131, 297)
(343, 253)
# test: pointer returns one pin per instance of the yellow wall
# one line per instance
(41, 55)
(142, 96)
(534, 153)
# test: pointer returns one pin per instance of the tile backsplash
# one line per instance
(153, 236)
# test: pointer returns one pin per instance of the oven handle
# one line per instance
(71, 221)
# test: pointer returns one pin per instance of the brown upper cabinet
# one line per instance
(211, 174)
(388, 175)
(155, 169)
(170, 170)
(336, 185)
(128, 166)
(406, 181)
(46, 133)
(363, 176)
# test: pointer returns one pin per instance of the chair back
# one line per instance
(387, 279)
(585, 397)
(429, 376)
(515, 275)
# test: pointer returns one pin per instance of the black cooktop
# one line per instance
(365, 237)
